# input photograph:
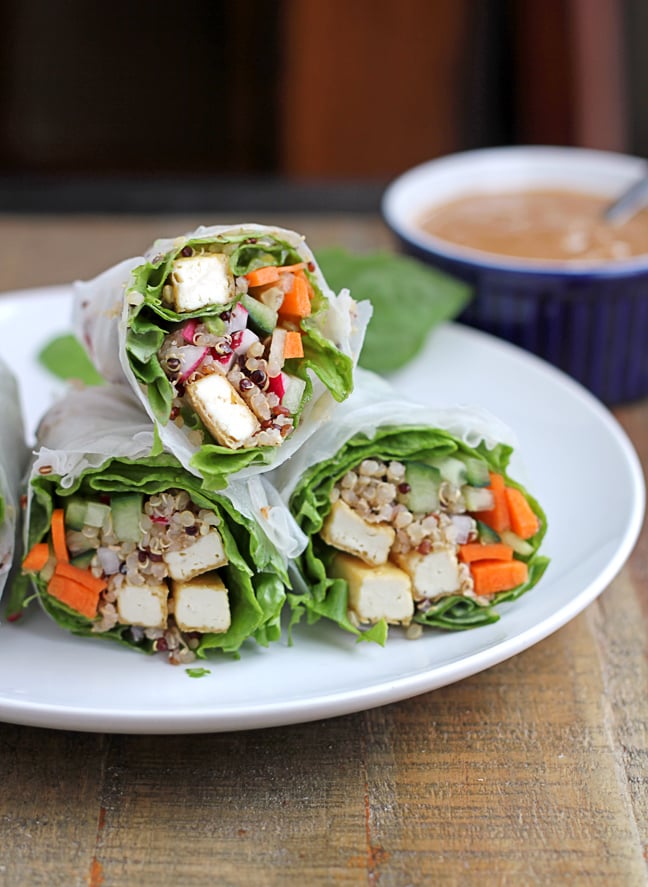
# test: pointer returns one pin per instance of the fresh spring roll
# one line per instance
(13, 460)
(411, 516)
(230, 338)
(124, 543)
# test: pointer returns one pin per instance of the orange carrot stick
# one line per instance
(82, 577)
(293, 346)
(493, 576)
(262, 276)
(292, 269)
(480, 551)
(78, 597)
(524, 522)
(498, 517)
(297, 302)
(58, 536)
(36, 558)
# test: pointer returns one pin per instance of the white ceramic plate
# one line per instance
(577, 461)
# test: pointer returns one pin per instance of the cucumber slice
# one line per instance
(453, 470)
(126, 515)
(487, 534)
(82, 561)
(215, 324)
(262, 317)
(424, 482)
(75, 512)
(96, 513)
(477, 498)
(520, 546)
(477, 473)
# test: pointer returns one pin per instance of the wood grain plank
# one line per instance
(272, 806)
(49, 805)
(511, 775)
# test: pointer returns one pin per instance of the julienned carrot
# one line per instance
(292, 269)
(480, 551)
(523, 520)
(297, 302)
(491, 577)
(83, 577)
(77, 596)
(293, 346)
(262, 276)
(497, 518)
(58, 536)
(37, 557)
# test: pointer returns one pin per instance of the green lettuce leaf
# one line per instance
(310, 503)
(408, 298)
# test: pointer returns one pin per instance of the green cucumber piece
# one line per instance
(215, 324)
(487, 534)
(477, 498)
(82, 561)
(477, 473)
(126, 515)
(424, 482)
(453, 470)
(96, 513)
(520, 546)
(75, 513)
(262, 318)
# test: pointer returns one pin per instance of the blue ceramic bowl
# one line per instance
(590, 318)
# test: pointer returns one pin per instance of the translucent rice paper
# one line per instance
(93, 425)
(101, 313)
(375, 403)
(13, 459)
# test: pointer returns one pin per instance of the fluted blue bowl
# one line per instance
(590, 318)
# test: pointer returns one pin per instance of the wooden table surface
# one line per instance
(532, 772)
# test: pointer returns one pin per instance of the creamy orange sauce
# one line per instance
(549, 225)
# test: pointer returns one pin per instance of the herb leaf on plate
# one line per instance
(408, 298)
(65, 358)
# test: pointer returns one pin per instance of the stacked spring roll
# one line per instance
(123, 543)
(411, 517)
(13, 460)
(232, 341)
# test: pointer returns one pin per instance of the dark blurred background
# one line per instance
(138, 105)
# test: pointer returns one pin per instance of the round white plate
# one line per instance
(577, 461)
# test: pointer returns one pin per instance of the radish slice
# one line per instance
(189, 331)
(277, 385)
(190, 356)
(109, 561)
(242, 339)
(238, 319)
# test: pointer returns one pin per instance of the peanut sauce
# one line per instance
(544, 224)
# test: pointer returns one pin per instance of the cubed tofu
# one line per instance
(222, 409)
(346, 530)
(201, 604)
(375, 593)
(206, 553)
(432, 574)
(145, 605)
(197, 281)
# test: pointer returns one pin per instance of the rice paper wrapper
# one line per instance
(377, 423)
(99, 440)
(13, 460)
(374, 404)
(102, 312)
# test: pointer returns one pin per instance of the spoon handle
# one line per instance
(630, 202)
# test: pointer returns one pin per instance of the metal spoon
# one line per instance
(629, 203)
